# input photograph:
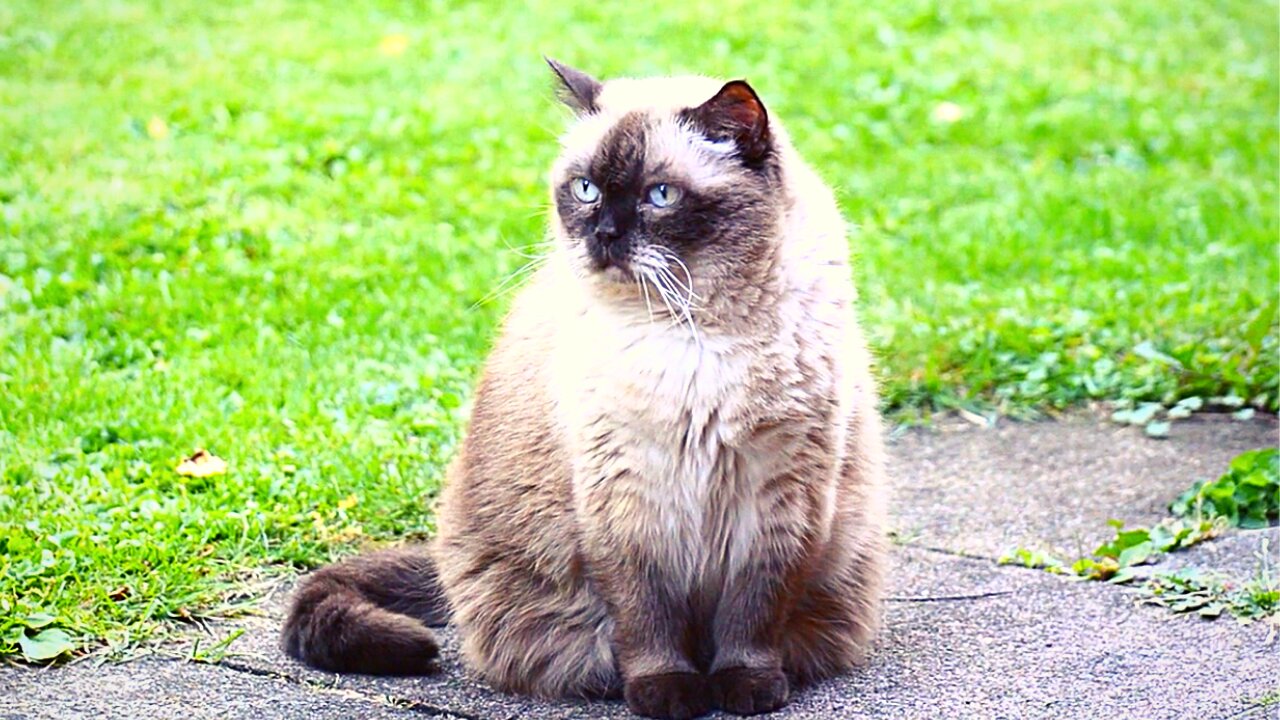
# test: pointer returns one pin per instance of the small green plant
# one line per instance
(1191, 590)
(1247, 495)
(215, 653)
(1034, 559)
(1156, 418)
(36, 639)
(1115, 559)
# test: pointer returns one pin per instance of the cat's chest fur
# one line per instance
(678, 419)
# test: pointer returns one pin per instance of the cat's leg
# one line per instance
(526, 633)
(640, 548)
(763, 585)
(835, 621)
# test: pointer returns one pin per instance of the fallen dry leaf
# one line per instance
(202, 464)
(120, 593)
(1104, 569)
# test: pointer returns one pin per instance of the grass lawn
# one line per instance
(265, 228)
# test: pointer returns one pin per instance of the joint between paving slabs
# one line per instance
(948, 551)
(970, 556)
(381, 698)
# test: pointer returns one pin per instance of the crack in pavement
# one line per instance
(402, 703)
(948, 551)
(950, 598)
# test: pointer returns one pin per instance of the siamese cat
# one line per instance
(672, 487)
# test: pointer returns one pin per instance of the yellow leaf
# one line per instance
(346, 534)
(157, 128)
(1104, 569)
(393, 44)
(348, 502)
(202, 464)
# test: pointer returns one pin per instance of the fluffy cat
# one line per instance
(672, 486)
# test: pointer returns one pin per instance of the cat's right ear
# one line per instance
(737, 114)
(577, 89)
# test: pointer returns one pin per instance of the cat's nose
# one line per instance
(607, 230)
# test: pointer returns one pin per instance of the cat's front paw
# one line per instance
(670, 696)
(749, 691)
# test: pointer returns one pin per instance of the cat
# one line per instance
(672, 486)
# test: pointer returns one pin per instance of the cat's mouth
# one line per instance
(619, 271)
(616, 273)
(606, 257)
(612, 265)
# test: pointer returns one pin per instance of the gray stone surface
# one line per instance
(963, 638)
(160, 688)
(1053, 486)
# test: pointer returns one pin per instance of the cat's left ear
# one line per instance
(578, 90)
(736, 113)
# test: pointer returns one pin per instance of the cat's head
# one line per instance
(674, 183)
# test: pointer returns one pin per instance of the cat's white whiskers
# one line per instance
(688, 276)
(653, 267)
(685, 294)
(682, 313)
(540, 212)
(688, 304)
(642, 276)
(510, 282)
(546, 245)
(666, 294)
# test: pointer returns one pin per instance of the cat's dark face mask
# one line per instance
(655, 191)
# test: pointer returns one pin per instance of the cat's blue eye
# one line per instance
(584, 190)
(663, 195)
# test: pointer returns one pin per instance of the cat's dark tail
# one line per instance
(369, 614)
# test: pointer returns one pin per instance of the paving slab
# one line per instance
(962, 639)
(1053, 486)
(169, 689)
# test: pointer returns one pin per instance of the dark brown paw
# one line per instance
(671, 696)
(749, 691)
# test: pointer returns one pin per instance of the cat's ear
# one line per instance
(577, 89)
(736, 113)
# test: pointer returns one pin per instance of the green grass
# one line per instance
(256, 227)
